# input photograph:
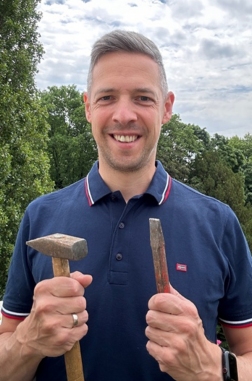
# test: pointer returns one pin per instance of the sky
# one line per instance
(206, 47)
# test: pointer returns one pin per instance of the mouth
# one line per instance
(125, 138)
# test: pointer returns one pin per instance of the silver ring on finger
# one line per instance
(75, 320)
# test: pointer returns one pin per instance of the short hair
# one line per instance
(126, 41)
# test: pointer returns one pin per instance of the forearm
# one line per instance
(17, 363)
(244, 365)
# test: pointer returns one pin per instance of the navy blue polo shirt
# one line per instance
(208, 259)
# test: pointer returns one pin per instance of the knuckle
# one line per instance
(63, 339)
(44, 308)
(169, 358)
(81, 303)
(85, 329)
(40, 287)
(162, 367)
(150, 316)
(147, 331)
(76, 288)
(161, 302)
(180, 347)
(85, 316)
(187, 325)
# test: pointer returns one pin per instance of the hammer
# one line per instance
(61, 248)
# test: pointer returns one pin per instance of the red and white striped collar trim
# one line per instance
(88, 193)
(164, 196)
(167, 189)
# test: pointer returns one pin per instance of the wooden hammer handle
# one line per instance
(73, 360)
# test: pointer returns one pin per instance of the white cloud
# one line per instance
(206, 46)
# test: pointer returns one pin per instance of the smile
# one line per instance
(125, 138)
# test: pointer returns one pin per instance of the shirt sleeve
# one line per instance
(18, 295)
(235, 309)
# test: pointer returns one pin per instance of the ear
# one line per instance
(87, 106)
(168, 107)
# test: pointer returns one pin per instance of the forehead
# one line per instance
(126, 68)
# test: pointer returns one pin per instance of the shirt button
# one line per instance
(121, 225)
(119, 257)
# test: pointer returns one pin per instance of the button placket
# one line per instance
(119, 265)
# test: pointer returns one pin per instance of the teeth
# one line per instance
(125, 138)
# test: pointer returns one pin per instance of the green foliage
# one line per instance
(245, 146)
(232, 155)
(211, 175)
(71, 148)
(178, 145)
(19, 47)
(23, 129)
(221, 337)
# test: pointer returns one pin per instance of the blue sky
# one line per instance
(206, 46)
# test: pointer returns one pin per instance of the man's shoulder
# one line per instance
(189, 201)
(186, 192)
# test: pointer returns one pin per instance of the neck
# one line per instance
(130, 184)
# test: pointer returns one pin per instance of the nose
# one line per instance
(124, 112)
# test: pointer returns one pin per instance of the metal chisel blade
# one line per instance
(159, 256)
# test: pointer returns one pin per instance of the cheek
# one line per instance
(94, 132)
(99, 118)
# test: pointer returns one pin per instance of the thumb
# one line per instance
(84, 279)
(173, 291)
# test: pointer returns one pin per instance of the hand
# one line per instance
(177, 340)
(48, 330)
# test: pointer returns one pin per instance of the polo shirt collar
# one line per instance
(96, 188)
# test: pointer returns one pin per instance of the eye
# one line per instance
(143, 98)
(105, 98)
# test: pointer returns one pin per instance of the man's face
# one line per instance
(126, 109)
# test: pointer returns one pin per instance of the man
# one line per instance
(127, 102)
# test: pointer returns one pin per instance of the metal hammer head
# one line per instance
(60, 246)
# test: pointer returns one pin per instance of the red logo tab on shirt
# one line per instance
(181, 267)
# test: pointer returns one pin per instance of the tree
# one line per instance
(178, 145)
(212, 176)
(71, 147)
(245, 146)
(232, 155)
(23, 129)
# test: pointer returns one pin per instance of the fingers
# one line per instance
(57, 303)
(167, 322)
(176, 335)
(64, 286)
(76, 319)
(61, 295)
(172, 303)
(171, 315)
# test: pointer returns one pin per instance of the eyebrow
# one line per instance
(104, 91)
(144, 90)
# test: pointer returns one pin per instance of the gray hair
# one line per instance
(126, 41)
